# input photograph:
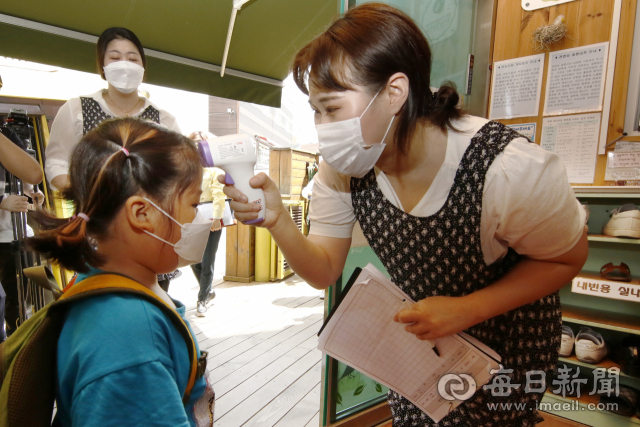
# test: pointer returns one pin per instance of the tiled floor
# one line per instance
(261, 339)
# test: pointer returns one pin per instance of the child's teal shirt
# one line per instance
(122, 362)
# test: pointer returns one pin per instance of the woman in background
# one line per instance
(121, 62)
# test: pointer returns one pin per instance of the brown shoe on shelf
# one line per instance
(620, 273)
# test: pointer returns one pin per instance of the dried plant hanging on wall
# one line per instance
(549, 34)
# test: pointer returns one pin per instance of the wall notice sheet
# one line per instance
(525, 129)
(515, 90)
(576, 80)
(362, 334)
(623, 159)
(575, 140)
(624, 162)
(627, 146)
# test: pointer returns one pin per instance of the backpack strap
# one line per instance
(114, 283)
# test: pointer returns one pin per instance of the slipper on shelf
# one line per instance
(590, 346)
(568, 340)
(623, 404)
(620, 273)
(624, 222)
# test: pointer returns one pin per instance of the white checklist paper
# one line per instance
(575, 140)
(362, 334)
(515, 90)
(576, 78)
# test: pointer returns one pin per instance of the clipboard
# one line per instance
(344, 292)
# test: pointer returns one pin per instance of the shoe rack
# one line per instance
(613, 318)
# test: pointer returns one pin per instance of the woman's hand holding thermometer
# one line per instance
(256, 199)
(236, 156)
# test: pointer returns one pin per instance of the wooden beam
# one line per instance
(232, 251)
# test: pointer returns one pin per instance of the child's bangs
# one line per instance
(322, 64)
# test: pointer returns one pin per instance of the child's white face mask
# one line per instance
(193, 238)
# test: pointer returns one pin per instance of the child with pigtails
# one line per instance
(120, 359)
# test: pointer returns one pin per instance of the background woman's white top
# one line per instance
(527, 203)
(67, 127)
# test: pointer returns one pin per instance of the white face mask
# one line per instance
(125, 76)
(193, 238)
(342, 146)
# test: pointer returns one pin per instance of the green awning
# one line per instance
(184, 39)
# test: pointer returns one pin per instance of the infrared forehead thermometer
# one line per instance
(236, 156)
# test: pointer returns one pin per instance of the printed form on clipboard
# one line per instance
(361, 333)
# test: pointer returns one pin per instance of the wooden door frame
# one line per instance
(370, 417)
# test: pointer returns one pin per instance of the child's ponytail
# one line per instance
(65, 241)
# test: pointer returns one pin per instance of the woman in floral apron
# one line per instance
(471, 219)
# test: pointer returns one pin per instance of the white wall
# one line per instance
(32, 80)
(304, 131)
(190, 109)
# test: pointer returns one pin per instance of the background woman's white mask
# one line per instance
(193, 238)
(342, 146)
(125, 76)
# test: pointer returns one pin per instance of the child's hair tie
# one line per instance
(80, 215)
(125, 152)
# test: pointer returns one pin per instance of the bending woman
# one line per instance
(475, 222)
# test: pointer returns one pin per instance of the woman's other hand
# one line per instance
(37, 196)
(436, 317)
(245, 211)
(15, 203)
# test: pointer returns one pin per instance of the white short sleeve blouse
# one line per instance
(67, 127)
(527, 203)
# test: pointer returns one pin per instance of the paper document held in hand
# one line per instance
(362, 334)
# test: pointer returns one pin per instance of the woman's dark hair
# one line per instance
(160, 165)
(366, 46)
(114, 33)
